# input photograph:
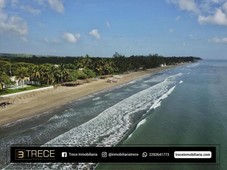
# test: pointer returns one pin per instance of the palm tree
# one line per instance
(63, 72)
(44, 74)
(83, 62)
(22, 72)
(35, 74)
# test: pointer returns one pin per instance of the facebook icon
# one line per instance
(64, 154)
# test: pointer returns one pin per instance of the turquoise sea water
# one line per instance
(185, 105)
(195, 113)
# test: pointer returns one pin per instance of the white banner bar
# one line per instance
(192, 154)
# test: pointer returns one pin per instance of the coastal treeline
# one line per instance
(49, 70)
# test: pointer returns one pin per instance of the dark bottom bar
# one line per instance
(114, 154)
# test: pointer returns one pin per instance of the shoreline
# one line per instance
(33, 104)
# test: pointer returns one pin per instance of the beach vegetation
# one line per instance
(50, 70)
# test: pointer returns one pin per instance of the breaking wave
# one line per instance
(156, 104)
(141, 123)
(111, 125)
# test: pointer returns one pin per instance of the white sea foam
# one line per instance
(181, 82)
(114, 122)
(97, 98)
(132, 82)
(141, 123)
(67, 114)
(193, 65)
(156, 104)
(129, 136)
(110, 126)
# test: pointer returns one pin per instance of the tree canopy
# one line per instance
(47, 70)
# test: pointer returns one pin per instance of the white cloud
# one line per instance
(219, 18)
(56, 5)
(187, 5)
(31, 10)
(207, 11)
(71, 38)
(2, 4)
(95, 33)
(218, 40)
(209, 7)
(13, 25)
(224, 7)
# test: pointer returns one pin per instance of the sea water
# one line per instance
(194, 114)
(185, 105)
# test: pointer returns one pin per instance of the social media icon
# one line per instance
(104, 154)
(144, 155)
(64, 154)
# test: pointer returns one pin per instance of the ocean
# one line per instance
(185, 105)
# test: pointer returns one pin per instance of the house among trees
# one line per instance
(20, 81)
(163, 65)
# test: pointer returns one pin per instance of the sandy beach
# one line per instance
(30, 104)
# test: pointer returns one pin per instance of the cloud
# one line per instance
(218, 40)
(224, 7)
(187, 5)
(16, 4)
(71, 38)
(13, 25)
(2, 4)
(207, 11)
(95, 33)
(219, 18)
(31, 10)
(56, 5)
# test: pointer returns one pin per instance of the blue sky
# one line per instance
(103, 27)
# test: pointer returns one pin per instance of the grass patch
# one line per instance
(27, 88)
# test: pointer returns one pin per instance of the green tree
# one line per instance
(89, 73)
(4, 80)
(83, 62)
(21, 73)
(35, 74)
